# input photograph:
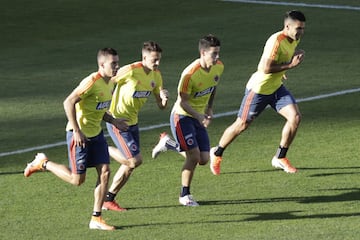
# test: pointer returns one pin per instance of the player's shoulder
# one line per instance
(88, 82)
(277, 37)
(192, 67)
(219, 63)
(135, 65)
(92, 77)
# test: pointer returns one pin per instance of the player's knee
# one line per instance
(78, 180)
(105, 175)
(135, 162)
(203, 161)
(295, 120)
(204, 158)
(239, 126)
(298, 118)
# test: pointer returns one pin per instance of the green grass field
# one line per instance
(49, 46)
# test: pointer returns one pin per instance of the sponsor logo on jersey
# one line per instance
(204, 92)
(141, 94)
(103, 105)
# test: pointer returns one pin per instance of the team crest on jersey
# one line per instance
(189, 139)
(152, 84)
(81, 164)
(103, 105)
(190, 142)
(216, 78)
(133, 147)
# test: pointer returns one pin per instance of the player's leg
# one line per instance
(286, 106)
(166, 142)
(293, 117)
(251, 107)
(98, 157)
(187, 173)
(103, 172)
(97, 221)
(203, 142)
(185, 134)
(74, 175)
(65, 173)
(128, 152)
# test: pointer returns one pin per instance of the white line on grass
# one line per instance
(167, 124)
(297, 4)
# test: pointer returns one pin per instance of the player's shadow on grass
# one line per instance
(352, 195)
(292, 215)
(11, 173)
(301, 170)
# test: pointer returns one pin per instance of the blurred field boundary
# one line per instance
(156, 126)
(345, 7)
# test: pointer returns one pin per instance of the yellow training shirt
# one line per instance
(198, 84)
(133, 87)
(279, 49)
(95, 96)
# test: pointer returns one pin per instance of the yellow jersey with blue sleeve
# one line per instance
(199, 85)
(133, 87)
(95, 94)
(279, 49)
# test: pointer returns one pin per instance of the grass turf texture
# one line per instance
(49, 47)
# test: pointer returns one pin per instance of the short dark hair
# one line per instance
(209, 41)
(151, 46)
(295, 15)
(106, 51)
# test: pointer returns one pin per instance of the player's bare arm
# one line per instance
(184, 103)
(162, 98)
(119, 123)
(270, 66)
(69, 106)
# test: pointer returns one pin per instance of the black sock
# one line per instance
(219, 151)
(96, 214)
(110, 197)
(281, 152)
(184, 191)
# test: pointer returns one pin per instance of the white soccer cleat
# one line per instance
(284, 164)
(99, 223)
(188, 201)
(35, 165)
(165, 143)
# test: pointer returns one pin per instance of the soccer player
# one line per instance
(135, 83)
(192, 113)
(265, 87)
(85, 108)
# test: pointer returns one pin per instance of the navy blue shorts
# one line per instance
(189, 133)
(94, 153)
(253, 104)
(128, 142)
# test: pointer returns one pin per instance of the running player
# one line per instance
(135, 83)
(85, 108)
(192, 112)
(265, 87)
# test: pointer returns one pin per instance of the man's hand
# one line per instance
(297, 58)
(79, 138)
(121, 124)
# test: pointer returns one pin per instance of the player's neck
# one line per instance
(103, 76)
(146, 69)
(204, 66)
